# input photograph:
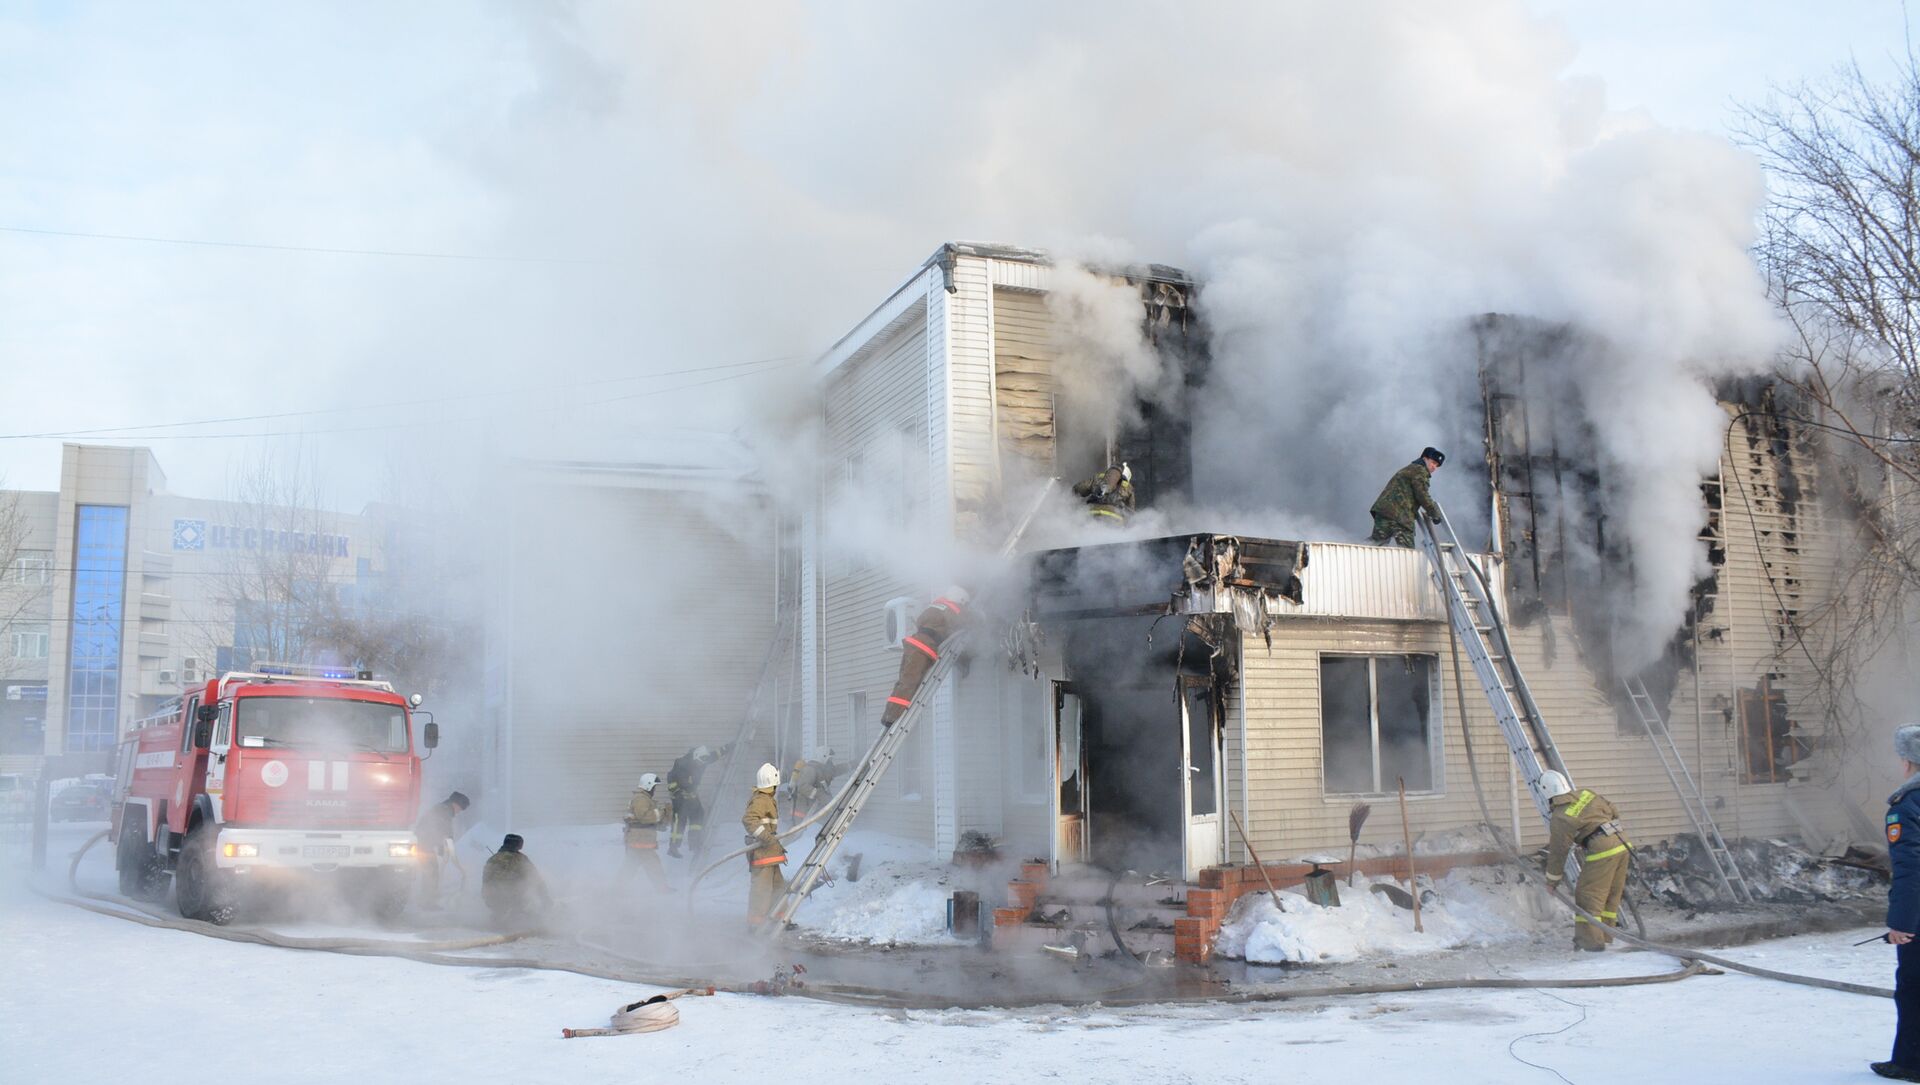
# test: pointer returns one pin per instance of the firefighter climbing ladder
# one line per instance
(1695, 803)
(867, 774)
(1476, 622)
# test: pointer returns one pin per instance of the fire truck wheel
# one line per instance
(143, 876)
(200, 891)
(388, 896)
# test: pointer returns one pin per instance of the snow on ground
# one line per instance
(1471, 907)
(75, 981)
(900, 899)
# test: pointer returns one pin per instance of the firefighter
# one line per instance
(433, 835)
(762, 822)
(515, 894)
(920, 651)
(645, 815)
(1109, 494)
(1585, 819)
(1405, 494)
(683, 795)
(1903, 908)
(812, 784)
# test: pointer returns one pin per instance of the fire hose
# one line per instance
(1639, 941)
(647, 1015)
(445, 954)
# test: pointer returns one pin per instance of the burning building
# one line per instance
(1158, 682)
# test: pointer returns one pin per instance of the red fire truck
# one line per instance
(267, 776)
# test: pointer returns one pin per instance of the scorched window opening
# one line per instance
(1376, 724)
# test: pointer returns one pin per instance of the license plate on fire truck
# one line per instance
(327, 851)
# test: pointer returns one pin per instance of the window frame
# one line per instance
(1435, 730)
(22, 630)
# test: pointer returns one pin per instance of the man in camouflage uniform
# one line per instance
(762, 822)
(1585, 819)
(1405, 494)
(645, 815)
(515, 894)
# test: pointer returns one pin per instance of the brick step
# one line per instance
(1024, 937)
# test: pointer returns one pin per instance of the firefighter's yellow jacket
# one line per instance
(1584, 818)
(762, 821)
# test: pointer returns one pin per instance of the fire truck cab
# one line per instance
(266, 777)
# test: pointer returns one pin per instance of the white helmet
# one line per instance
(701, 753)
(1126, 472)
(648, 780)
(1554, 783)
(767, 777)
(959, 595)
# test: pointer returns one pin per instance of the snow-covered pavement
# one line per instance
(91, 998)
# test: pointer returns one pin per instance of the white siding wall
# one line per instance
(891, 387)
(1278, 782)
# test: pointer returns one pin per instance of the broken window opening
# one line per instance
(1768, 745)
(1377, 725)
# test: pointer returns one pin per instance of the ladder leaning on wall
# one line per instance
(1477, 623)
(866, 775)
(1691, 799)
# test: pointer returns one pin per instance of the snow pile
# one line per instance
(1463, 909)
(893, 903)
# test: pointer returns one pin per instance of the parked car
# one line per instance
(16, 797)
(81, 802)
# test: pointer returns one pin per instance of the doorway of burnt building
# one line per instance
(1138, 765)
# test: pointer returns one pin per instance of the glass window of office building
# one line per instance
(99, 601)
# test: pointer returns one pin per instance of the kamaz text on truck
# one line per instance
(266, 777)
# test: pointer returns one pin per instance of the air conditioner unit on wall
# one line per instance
(899, 621)
(190, 670)
(167, 678)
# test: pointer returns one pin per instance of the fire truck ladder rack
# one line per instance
(1684, 785)
(778, 650)
(1477, 623)
(867, 774)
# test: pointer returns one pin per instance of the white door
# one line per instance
(1069, 780)
(1205, 843)
(217, 751)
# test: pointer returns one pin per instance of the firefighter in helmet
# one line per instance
(1585, 819)
(645, 815)
(921, 650)
(762, 822)
(1109, 494)
(683, 792)
(812, 784)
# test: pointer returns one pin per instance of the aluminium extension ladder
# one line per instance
(866, 775)
(1477, 623)
(1684, 785)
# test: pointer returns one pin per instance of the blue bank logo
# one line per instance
(189, 534)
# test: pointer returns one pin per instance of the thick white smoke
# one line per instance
(1352, 183)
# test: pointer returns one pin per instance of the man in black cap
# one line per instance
(1405, 494)
(515, 894)
(433, 837)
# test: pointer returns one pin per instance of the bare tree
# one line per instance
(292, 595)
(21, 588)
(277, 585)
(1841, 251)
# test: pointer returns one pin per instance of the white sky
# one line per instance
(469, 130)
